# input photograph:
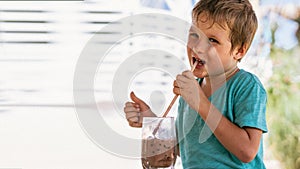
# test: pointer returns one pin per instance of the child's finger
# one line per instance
(176, 90)
(136, 99)
(181, 80)
(132, 115)
(175, 84)
(132, 104)
(188, 74)
(128, 104)
(133, 119)
(139, 102)
(136, 105)
(135, 124)
(128, 109)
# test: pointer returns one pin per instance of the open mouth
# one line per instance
(200, 61)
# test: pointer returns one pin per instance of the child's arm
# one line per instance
(242, 142)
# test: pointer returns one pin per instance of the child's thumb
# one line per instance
(135, 98)
(142, 105)
(140, 102)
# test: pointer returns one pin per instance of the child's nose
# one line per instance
(201, 46)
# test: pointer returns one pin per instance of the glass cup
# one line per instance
(159, 143)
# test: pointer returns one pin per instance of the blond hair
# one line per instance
(237, 15)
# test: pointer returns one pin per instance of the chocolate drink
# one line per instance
(158, 153)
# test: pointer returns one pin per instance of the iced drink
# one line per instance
(158, 153)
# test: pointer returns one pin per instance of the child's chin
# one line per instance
(199, 74)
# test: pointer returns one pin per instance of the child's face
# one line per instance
(214, 52)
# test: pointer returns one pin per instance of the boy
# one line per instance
(221, 115)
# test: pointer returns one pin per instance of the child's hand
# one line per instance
(136, 110)
(186, 86)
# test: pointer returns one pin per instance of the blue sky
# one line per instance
(272, 2)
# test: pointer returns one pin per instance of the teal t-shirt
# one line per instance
(243, 101)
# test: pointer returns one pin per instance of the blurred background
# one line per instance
(40, 42)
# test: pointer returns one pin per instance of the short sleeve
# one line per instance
(250, 104)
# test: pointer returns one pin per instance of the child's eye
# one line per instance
(194, 35)
(213, 40)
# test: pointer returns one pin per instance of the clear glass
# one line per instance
(159, 143)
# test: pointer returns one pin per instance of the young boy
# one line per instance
(221, 115)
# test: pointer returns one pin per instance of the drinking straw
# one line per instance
(171, 104)
(176, 96)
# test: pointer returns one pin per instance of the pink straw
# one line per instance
(176, 96)
(171, 104)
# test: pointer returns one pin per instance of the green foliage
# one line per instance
(283, 109)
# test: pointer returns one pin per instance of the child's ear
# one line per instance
(239, 53)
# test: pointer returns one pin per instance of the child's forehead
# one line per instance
(208, 26)
(211, 29)
(204, 20)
